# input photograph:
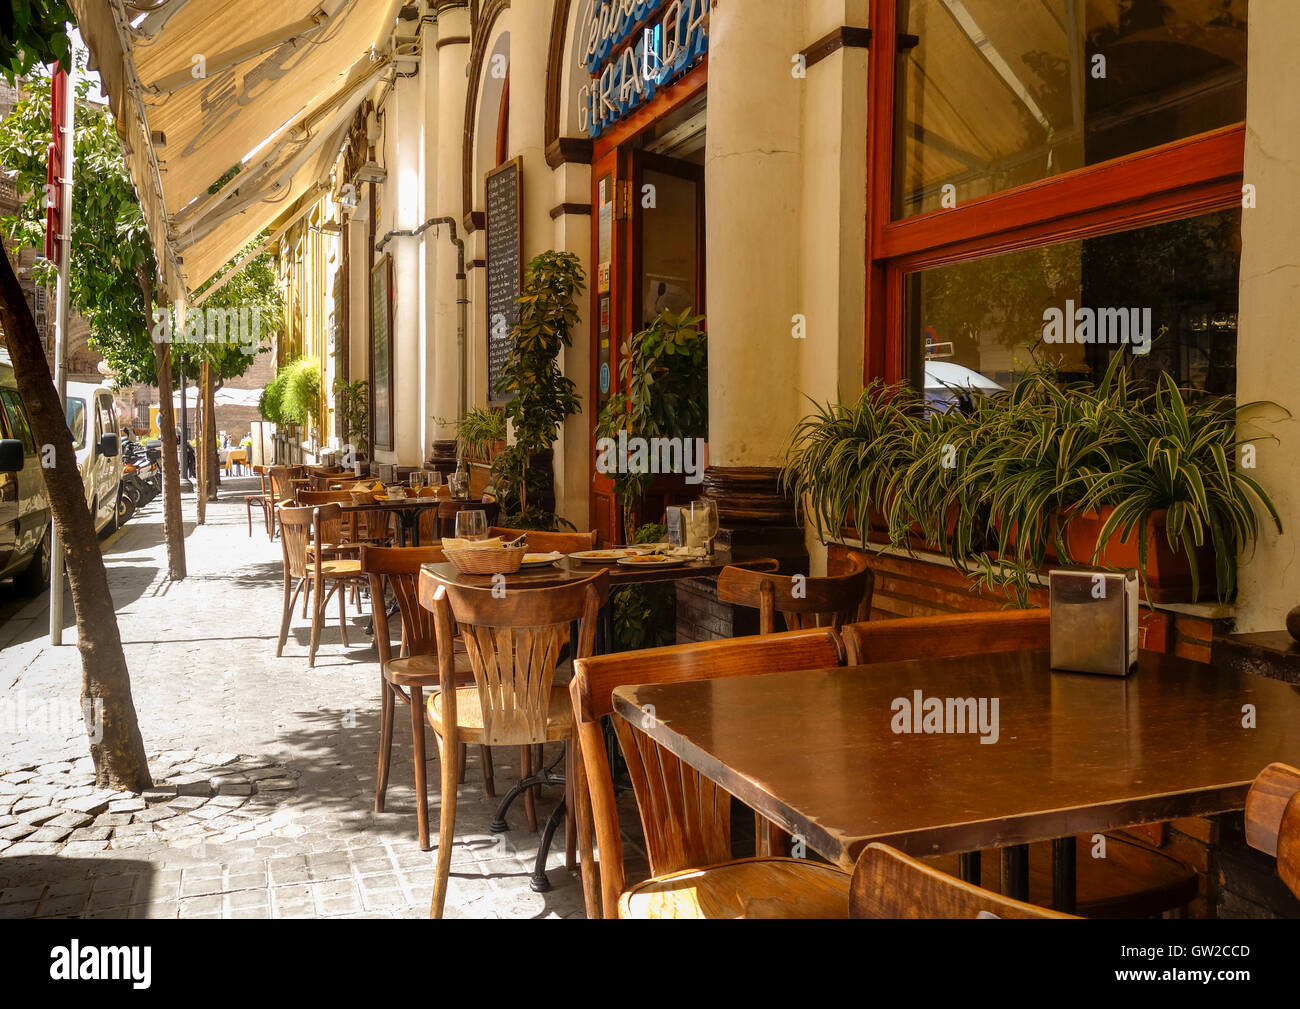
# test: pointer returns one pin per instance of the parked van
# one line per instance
(93, 423)
(24, 514)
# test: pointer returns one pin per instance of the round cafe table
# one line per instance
(409, 509)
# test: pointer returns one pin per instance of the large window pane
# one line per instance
(981, 322)
(998, 93)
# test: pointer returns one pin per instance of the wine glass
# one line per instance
(416, 479)
(471, 524)
(703, 523)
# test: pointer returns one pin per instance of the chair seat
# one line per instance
(746, 888)
(1132, 881)
(469, 717)
(339, 568)
(422, 670)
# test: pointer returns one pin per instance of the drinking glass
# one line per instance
(702, 521)
(471, 524)
(416, 479)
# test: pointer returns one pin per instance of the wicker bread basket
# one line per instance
(503, 561)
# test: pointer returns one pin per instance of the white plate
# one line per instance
(602, 556)
(646, 565)
(540, 560)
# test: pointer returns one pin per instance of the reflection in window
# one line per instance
(77, 422)
(998, 93)
(978, 323)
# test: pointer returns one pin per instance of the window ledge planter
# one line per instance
(1168, 572)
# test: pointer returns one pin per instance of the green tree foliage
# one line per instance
(31, 33)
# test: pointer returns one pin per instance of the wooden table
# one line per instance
(568, 570)
(815, 751)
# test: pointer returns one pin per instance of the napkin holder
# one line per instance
(1094, 621)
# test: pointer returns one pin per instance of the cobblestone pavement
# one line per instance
(264, 768)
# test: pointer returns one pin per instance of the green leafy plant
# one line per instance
(645, 615)
(353, 403)
(1014, 468)
(542, 398)
(272, 401)
(664, 370)
(478, 433)
(296, 395)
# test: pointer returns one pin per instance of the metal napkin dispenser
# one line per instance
(1094, 621)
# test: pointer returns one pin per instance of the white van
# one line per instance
(93, 423)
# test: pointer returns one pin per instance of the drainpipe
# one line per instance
(462, 299)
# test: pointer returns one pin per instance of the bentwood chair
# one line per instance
(1132, 880)
(888, 884)
(685, 817)
(514, 645)
(281, 479)
(829, 601)
(305, 537)
(1273, 820)
(413, 670)
(823, 601)
(264, 500)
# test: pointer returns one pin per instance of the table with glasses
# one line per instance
(815, 751)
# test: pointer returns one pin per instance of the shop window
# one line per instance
(995, 94)
(1166, 295)
(1038, 155)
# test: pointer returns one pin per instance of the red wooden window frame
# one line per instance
(1196, 175)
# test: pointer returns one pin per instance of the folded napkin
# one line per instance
(450, 543)
(694, 553)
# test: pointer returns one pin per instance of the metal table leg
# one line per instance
(1015, 871)
(1064, 851)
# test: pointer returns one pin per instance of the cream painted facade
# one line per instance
(785, 172)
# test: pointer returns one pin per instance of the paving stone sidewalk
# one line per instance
(264, 768)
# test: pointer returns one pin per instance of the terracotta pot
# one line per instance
(1007, 539)
(1168, 572)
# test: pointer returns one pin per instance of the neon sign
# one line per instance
(634, 48)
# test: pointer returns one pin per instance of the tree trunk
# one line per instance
(173, 529)
(115, 743)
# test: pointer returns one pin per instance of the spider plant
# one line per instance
(851, 456)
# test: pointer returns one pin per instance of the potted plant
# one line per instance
(664, 377)
(1115, 474)
(480, 439)
(542, 398)
(353, 404)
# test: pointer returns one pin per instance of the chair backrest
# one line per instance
(295, 533)
(684, 816)
(1273, 819)
(399, 568)
(282, 478)
(319, 497)
(545, 542)
(888, 884)
(945, 636)
(514, 643)
(372, 525)
(828, 601)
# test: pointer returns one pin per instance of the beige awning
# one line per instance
(200, 86)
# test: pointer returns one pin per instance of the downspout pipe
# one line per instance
(462, 299)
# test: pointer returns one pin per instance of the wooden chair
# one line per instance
(545, 542)
(829, 601)
(305, 535)
(1273, 820)
(406, 676)
(1132, 880)
(685, 817)
(514, 644)
(264, 500)
(888, 884)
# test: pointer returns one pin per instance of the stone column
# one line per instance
(1267, 358)
(753, 227)
(403, 190)
(452, 56)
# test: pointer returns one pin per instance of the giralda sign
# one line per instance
(634, 48)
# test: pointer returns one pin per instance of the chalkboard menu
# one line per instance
(381, 353)
(504, 268)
